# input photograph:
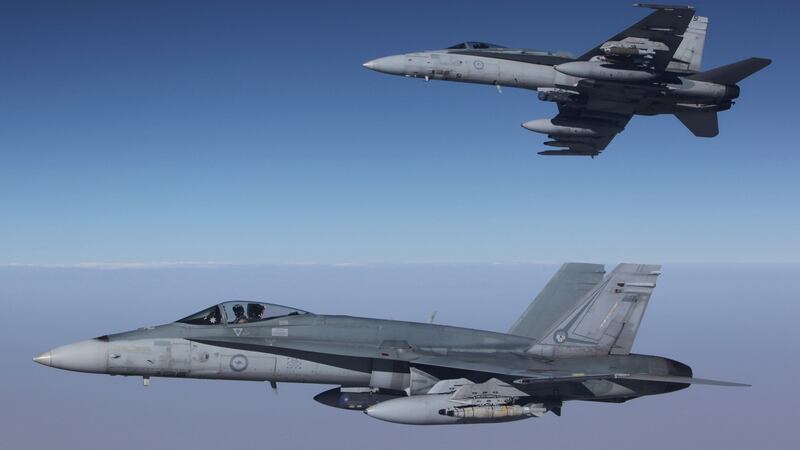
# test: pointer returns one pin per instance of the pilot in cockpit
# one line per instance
(255, 312)
(238, 311)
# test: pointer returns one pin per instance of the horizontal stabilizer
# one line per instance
(683, 380)
(700, 123)
(732, 73)
(580, 377)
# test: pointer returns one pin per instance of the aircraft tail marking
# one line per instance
(562, 292)
(606, 320)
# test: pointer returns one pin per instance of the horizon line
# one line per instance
(128, 265)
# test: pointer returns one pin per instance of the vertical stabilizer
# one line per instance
(562, 292)
(689, 55)
(606, 319)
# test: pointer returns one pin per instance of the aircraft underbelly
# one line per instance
(179, 358)
(289, 369)
(209, 361)
(525, 75)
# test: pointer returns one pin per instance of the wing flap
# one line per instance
(689, 55)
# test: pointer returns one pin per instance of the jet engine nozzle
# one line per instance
(732, 92)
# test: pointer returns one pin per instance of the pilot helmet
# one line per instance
(238, 309)
(255, 309)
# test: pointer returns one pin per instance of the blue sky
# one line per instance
(248, 132)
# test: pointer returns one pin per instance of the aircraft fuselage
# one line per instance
(340, 350)
(538, 72)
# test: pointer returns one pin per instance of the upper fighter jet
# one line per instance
(651, 68)
(572, 343)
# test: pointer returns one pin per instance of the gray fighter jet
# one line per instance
(572, 343)
(651, 68)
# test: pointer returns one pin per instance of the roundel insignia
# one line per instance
(238, 363)
(561, 336)
(478, 64)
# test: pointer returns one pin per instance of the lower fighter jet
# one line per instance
(572, 343)
(652, 67)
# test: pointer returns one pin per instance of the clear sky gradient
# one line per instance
(248, 132)
(139, 132)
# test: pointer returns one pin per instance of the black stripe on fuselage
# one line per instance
(560, 391)
(356, 363)
(545, 60)
(359, 364)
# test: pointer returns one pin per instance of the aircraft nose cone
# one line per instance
(394, 65)
(83, 356)
(43, 359)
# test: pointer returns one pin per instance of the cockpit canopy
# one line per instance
(474, 45)
(240, 312)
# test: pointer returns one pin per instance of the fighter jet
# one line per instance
(572, 343)
(652, 67)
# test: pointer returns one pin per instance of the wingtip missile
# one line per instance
(567, 153)
(662, 6)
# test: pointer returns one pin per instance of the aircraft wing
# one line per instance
(581, 377)
(666, 25)
(430, 372)
(532, 377)
(614, 114)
